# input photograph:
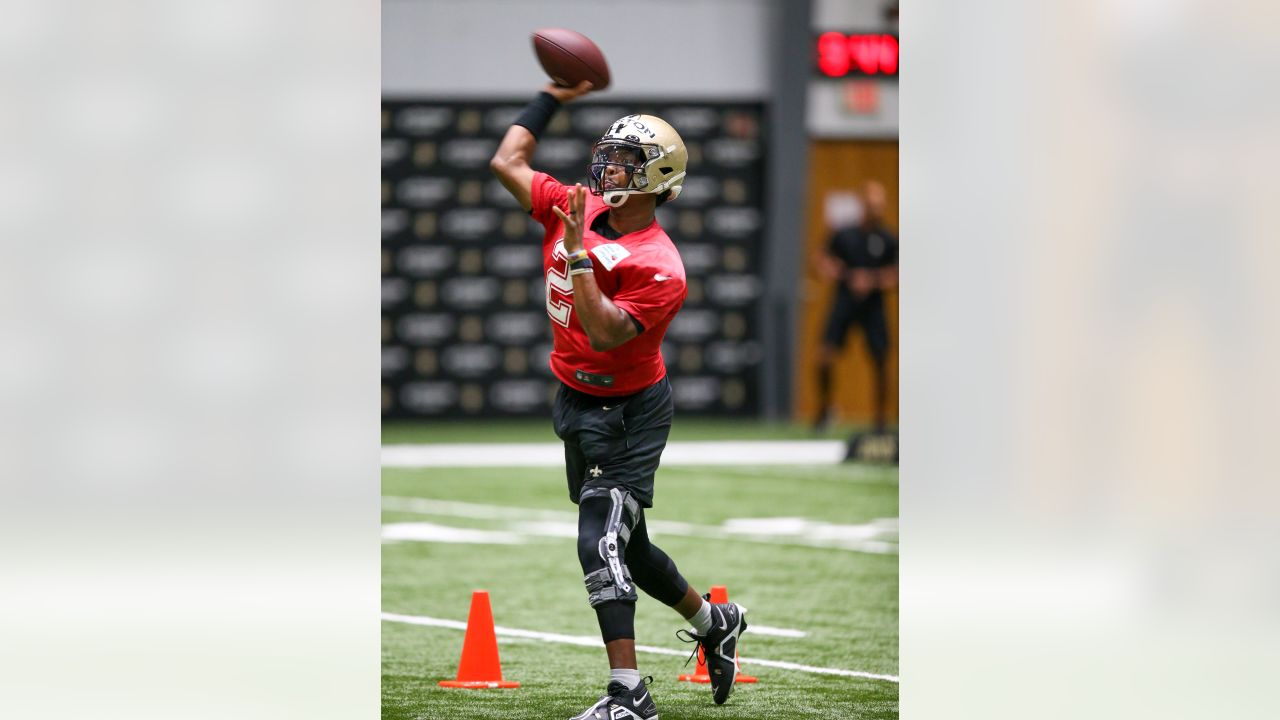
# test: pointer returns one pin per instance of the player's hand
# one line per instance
(575, 220)
(829, 267)
(565, 94)
(861, 281)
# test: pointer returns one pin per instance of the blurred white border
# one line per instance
(189, 421)
(1088, 359)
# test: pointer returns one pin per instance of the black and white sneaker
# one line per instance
(720, 646)
(622, 703)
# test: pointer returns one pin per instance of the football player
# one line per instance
(614, 281)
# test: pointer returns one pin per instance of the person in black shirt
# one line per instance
(863, 260)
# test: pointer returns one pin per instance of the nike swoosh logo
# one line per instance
(636, 701)
(606, 407)
(660, 277)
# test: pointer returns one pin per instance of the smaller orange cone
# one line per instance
(719, 594)
(480, 667)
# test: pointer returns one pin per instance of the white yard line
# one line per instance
(728, 452)
(588, 641)
(776, 631)
(818, 670)
(415, 620)
(879, 537)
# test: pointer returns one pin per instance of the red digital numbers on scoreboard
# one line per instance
(859, 54)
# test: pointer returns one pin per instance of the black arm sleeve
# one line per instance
(537, 114)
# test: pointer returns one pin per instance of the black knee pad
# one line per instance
(617, 620)
(608, 515)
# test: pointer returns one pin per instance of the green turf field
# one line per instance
(539, 430)
(845, 600)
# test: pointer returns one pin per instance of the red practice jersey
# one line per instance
(641, 272)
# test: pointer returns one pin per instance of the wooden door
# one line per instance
(835, 166)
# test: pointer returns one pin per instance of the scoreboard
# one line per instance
(872, 55)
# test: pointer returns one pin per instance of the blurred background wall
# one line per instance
(770, 137)
(689, 49)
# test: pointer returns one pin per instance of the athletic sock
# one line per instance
(701, 621)
(626, 676)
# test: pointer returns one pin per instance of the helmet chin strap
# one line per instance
(614, 198)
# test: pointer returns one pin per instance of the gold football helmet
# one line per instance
(638, 154)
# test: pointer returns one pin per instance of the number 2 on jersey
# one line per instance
(558, 307)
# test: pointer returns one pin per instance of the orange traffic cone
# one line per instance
(480, 667)
(719, 594)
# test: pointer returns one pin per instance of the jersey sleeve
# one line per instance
(545, 193)
(649, 295)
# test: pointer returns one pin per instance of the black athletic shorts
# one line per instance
(868, 313)
(613, 441)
